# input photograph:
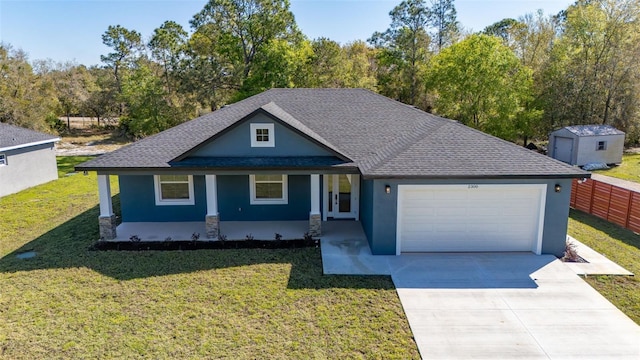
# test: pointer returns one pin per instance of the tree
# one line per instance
(206, 73)
(280, 64)
(445, 23)
(168, 45)
(150, 109)
(359, 65)
(27, 99)
(503, 29)
(102, 102)
(403, 50)
(480, 82)
(73, 84)
(125, 45)
(592, 75)
(240, 30)
(327, 64)
(531, 39)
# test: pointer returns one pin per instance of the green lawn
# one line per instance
(628, 170)
(66, 163)
(618, 244)
(69, 302)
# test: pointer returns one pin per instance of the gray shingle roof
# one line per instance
(594, 130)
(15, 137)
(382, 137)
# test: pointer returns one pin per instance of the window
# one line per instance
(602, 145)
(262, 135)
(3, 159)
(174, 189)
(268, 189)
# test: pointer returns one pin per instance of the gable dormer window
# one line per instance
(262, 135)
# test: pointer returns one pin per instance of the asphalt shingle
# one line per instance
(13, 136)
(382, 137)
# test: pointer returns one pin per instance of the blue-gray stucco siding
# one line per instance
(380, 223)
(237, 142)
(138, 204)
(366, 207)
(138, 201)
(234, 202)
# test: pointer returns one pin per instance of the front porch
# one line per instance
(149, 216)
(233, 230)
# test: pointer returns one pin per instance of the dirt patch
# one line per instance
(69, 149)
(93, 141)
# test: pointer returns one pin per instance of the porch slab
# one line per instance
(233, 230)
(160, 231)
(264, 230)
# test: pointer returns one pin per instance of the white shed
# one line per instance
(584, 144)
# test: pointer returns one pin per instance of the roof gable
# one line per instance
(292, 138)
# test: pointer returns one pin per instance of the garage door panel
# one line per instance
(483, 227)
(458, 218)
(447, 195)
(449, 212)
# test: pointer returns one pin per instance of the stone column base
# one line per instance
(107, 227)
(315, 225)
(212, 226)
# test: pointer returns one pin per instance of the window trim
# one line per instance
(604, 145)
(259, 126)
(3, 160)
(282, 201)
(158, 193)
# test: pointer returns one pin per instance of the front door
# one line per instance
(341, 196)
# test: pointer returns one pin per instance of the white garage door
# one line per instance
(461, 218)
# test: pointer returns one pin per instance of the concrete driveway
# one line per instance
(508, 305)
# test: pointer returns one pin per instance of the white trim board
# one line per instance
(7, 148)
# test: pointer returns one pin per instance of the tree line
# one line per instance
(517, 79)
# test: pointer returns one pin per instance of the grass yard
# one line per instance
(628, 170)
(618, 244)
(68, 302)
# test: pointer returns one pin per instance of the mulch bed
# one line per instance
(172, 245)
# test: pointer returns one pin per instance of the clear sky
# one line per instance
(71, 29)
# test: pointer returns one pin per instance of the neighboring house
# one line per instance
(416, 182)
(27, 158)
(584, 144)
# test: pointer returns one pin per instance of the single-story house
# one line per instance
(27, 158)
(416, 182)
(584, 144)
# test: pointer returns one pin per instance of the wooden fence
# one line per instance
(616, 204)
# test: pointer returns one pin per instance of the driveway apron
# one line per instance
(508, 306)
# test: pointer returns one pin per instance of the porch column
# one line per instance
(315, 218)
(107, 219)
(212, 219)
